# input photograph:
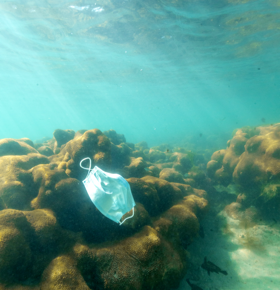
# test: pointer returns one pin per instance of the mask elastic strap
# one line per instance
(128, 217)
(89, 168)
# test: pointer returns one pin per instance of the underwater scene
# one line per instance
(140, 145)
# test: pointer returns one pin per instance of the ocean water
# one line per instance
(187, 73)
(155, 71)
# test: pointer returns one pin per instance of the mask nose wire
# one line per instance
(129, 217)
(86, 168)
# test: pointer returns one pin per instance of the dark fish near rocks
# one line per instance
(211, 267)
(193, 287)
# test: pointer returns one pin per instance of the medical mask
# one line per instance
(110, 193)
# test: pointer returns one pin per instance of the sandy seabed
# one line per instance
(250, 255)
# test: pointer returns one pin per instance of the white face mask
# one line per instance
(110, 193)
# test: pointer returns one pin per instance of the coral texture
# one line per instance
(252, 162)
(53, 237)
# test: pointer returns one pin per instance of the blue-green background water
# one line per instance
(159, 71)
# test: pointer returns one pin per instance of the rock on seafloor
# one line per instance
(53, 237)
(250, 168)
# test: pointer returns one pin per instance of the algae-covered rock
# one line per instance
(142, 261)
(136, 168)
(45, 228)
(62, 136)
(27, 141)
(156, 155)
(252, 162)
(15, 253)
(271, 191)
(45, 150)
(146, 194)
(53, 237)
(184, 223)
(141, 146)
(63, 274)
(183, 159)
(260, 162)
(120, 156)
(168, 194)
(15, 147)
(114, 137)
(91, 144)
(187, 189)
(154, 171)
(198, 176)
(171, 175)
(16, 185)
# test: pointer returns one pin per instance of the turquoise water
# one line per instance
(187, 73)
(159, 71)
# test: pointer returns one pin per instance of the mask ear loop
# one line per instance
(89, 168)
(128, 217)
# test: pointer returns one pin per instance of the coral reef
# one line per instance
(16, 147)
(251, 162)
(53, 237)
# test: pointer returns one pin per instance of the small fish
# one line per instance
(193, 287)
(211, 267)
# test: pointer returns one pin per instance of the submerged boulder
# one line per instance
(252, 162)
(10, 146)
(53, 235)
